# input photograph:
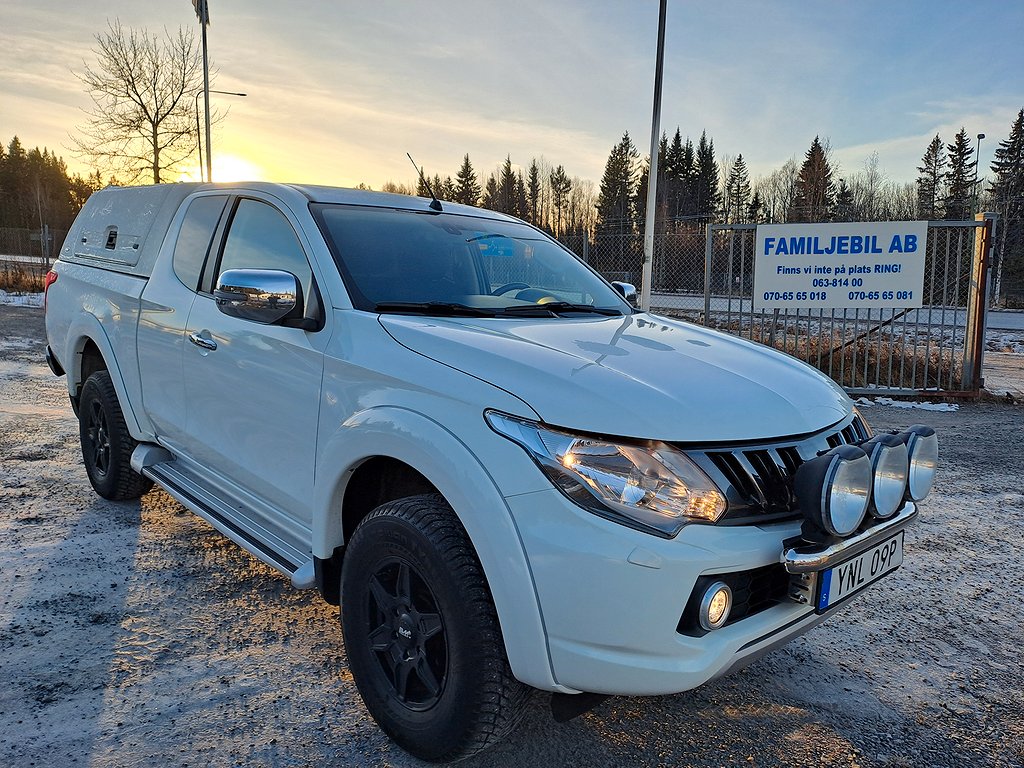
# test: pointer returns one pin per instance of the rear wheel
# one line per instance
(106, 443)
(421, 633)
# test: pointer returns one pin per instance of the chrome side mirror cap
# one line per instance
(264, 296)
(626, 290)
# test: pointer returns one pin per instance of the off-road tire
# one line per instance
(478, 701)
(106, 444)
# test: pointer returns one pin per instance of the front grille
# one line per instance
(758, 479)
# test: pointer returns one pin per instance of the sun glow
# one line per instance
(226, 167)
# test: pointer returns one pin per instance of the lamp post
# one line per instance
(199, 136)
(977, 162)
(652, 170)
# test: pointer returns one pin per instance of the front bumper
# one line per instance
(612, 597)
(807, 558)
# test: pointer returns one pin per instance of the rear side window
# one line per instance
(197, 230)
(260, 237)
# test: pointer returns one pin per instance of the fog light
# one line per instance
(715, 605)
(923, 447)
(889, 468)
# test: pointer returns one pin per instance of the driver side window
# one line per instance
(260, 237)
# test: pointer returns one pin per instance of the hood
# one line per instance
(635, 376)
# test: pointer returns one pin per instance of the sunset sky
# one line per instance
(338, 92)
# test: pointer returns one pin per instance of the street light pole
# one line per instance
(199, 135)
(977, 162)
(652, 172)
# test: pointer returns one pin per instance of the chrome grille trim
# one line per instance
(757, 479)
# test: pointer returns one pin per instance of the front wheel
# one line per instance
(106, 443)
(422, 635)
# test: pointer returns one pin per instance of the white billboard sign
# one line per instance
(840, 265)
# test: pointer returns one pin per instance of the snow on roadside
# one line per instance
(867, 402)
(21, 299)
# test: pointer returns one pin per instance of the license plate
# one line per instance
(849, 578)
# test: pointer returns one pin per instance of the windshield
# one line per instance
(407, 261)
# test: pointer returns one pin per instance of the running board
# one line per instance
(158, 464)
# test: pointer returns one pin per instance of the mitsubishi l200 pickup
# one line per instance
(508, 477)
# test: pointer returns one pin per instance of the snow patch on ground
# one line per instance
(867, 402)
(21, 299)
(1005, 341)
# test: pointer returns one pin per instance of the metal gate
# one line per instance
(937, 348)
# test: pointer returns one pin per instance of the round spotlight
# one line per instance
(715, 605)
(889, 469)
(923, 449)
(833, 490)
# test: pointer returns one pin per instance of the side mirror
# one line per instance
(264, 296)
(626, 290)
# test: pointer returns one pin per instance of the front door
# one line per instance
(253, 390)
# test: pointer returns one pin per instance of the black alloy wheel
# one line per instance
(97, 439)
(106, 443)
(422, 635)
(409, 637)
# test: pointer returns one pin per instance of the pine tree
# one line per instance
(737, 190)
(448, 189)
(618, 185)
(421, 184)
(507, 188)
(533, 192)
(688, 181)
(929, 183)
(674, 176)
(467, 187)
(521, 206)
(755, 209)
(1008, 166)
(706, 195)
(491, 194)
(1008, 194)
(815, 193)
(640, 196)
(844, 202)
(958, 199)
(560, 188)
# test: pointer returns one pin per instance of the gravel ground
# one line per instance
(134, 635)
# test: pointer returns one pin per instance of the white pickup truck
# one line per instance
(509, 477)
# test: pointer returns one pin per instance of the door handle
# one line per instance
(199, 341)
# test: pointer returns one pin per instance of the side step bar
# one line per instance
(158, 464)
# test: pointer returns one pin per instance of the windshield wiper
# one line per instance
(558, 307)
(451, 308)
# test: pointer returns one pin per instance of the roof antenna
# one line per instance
(435, 204)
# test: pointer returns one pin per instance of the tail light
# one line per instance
(50, 279)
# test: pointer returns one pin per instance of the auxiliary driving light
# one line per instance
(889, 470)
(833, 491)
(715, 606)
(923, 449)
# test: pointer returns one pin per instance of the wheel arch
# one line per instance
(400, 439)
(89, 350)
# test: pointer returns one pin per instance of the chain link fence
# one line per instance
(1007, 283)
(705, 274)
(26, 255)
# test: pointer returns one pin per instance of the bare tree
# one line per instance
(142, 87)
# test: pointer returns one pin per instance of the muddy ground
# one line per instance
(134, 635)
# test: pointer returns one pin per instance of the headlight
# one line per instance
(650, 486)
(889, 468)
(833, 490)
(923, 448)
